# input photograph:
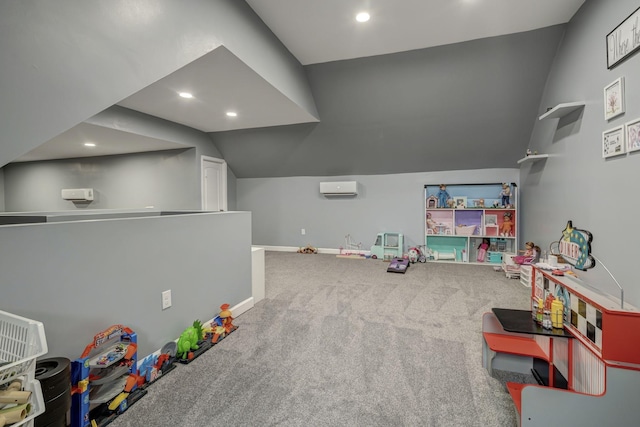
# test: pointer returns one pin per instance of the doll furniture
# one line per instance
(465, 229)
(449, 255)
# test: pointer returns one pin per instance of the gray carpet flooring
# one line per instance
(341, 342)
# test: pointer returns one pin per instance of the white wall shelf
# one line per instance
(532, 158)
(561, 110)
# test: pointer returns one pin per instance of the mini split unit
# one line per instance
(78, 194)
(342, 188)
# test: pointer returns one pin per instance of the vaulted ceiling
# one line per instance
(423, 85)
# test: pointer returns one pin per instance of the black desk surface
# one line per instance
(521, 321)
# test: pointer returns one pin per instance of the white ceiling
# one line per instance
(314, 32)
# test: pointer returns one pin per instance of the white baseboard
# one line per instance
(238, 309)
(242, 307)
(331, 251)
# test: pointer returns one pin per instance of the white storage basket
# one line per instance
(22, 341)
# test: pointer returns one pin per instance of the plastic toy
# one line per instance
(14, 414)
(154, 366)
(431, 224)
(388, 246)
(188, 340)
(506, 229)
(223, 324)
(105, 380)
(529, 256)
(443, 196)
(416, 254)
(398, 265)
(505, 194)
(450, 254)
(482, 250)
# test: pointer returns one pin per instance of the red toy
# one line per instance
(223, 324)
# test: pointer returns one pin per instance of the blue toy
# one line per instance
(443, 196)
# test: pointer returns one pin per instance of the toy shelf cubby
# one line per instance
(454, 233)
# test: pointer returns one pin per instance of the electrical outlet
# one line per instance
(303, 231)
(166, 299)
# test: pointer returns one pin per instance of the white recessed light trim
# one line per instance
(89, 144)
(186, 95)
(362, 17)
(232, 114)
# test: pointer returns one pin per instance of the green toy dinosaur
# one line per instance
(189, 339)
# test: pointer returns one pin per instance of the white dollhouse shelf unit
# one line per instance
(533, 158)
(561, 110)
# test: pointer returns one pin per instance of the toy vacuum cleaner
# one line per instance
(398, 265)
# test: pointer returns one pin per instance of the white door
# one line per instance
(214, 184)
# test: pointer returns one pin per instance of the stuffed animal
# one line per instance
(308, 250)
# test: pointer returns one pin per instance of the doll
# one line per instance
(506, 229)
(443, 196)
(482, 249)
(530, 254)
(431, 224)
(505, 194)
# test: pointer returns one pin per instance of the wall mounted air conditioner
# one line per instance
(78, 194)
(341, 188)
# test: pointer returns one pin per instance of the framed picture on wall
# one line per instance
(614, 99)
(613, 142)
(632, 131)
(622, 42)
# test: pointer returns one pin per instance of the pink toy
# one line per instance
(482, 250)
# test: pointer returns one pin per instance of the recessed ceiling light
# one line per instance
(89, 144)
(362, 17)
(185, 95)
(232, 113)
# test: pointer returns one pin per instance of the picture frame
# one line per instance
(490, 219)
(613, 142)
(460, 202)
(614, 99)
(622, 41)
(632, 133)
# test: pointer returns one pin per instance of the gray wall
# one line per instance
(576, 183)
(105, 272)
(281, 207)
(71, 60)
(1, 190)
(461, 106)
(232, 190)
(163, 179)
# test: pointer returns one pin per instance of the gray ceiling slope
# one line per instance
(322, 31)
(69, 144)
(468, 105)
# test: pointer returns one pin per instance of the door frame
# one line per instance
(222, 184)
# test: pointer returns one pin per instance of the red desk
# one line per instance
(521, 321)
